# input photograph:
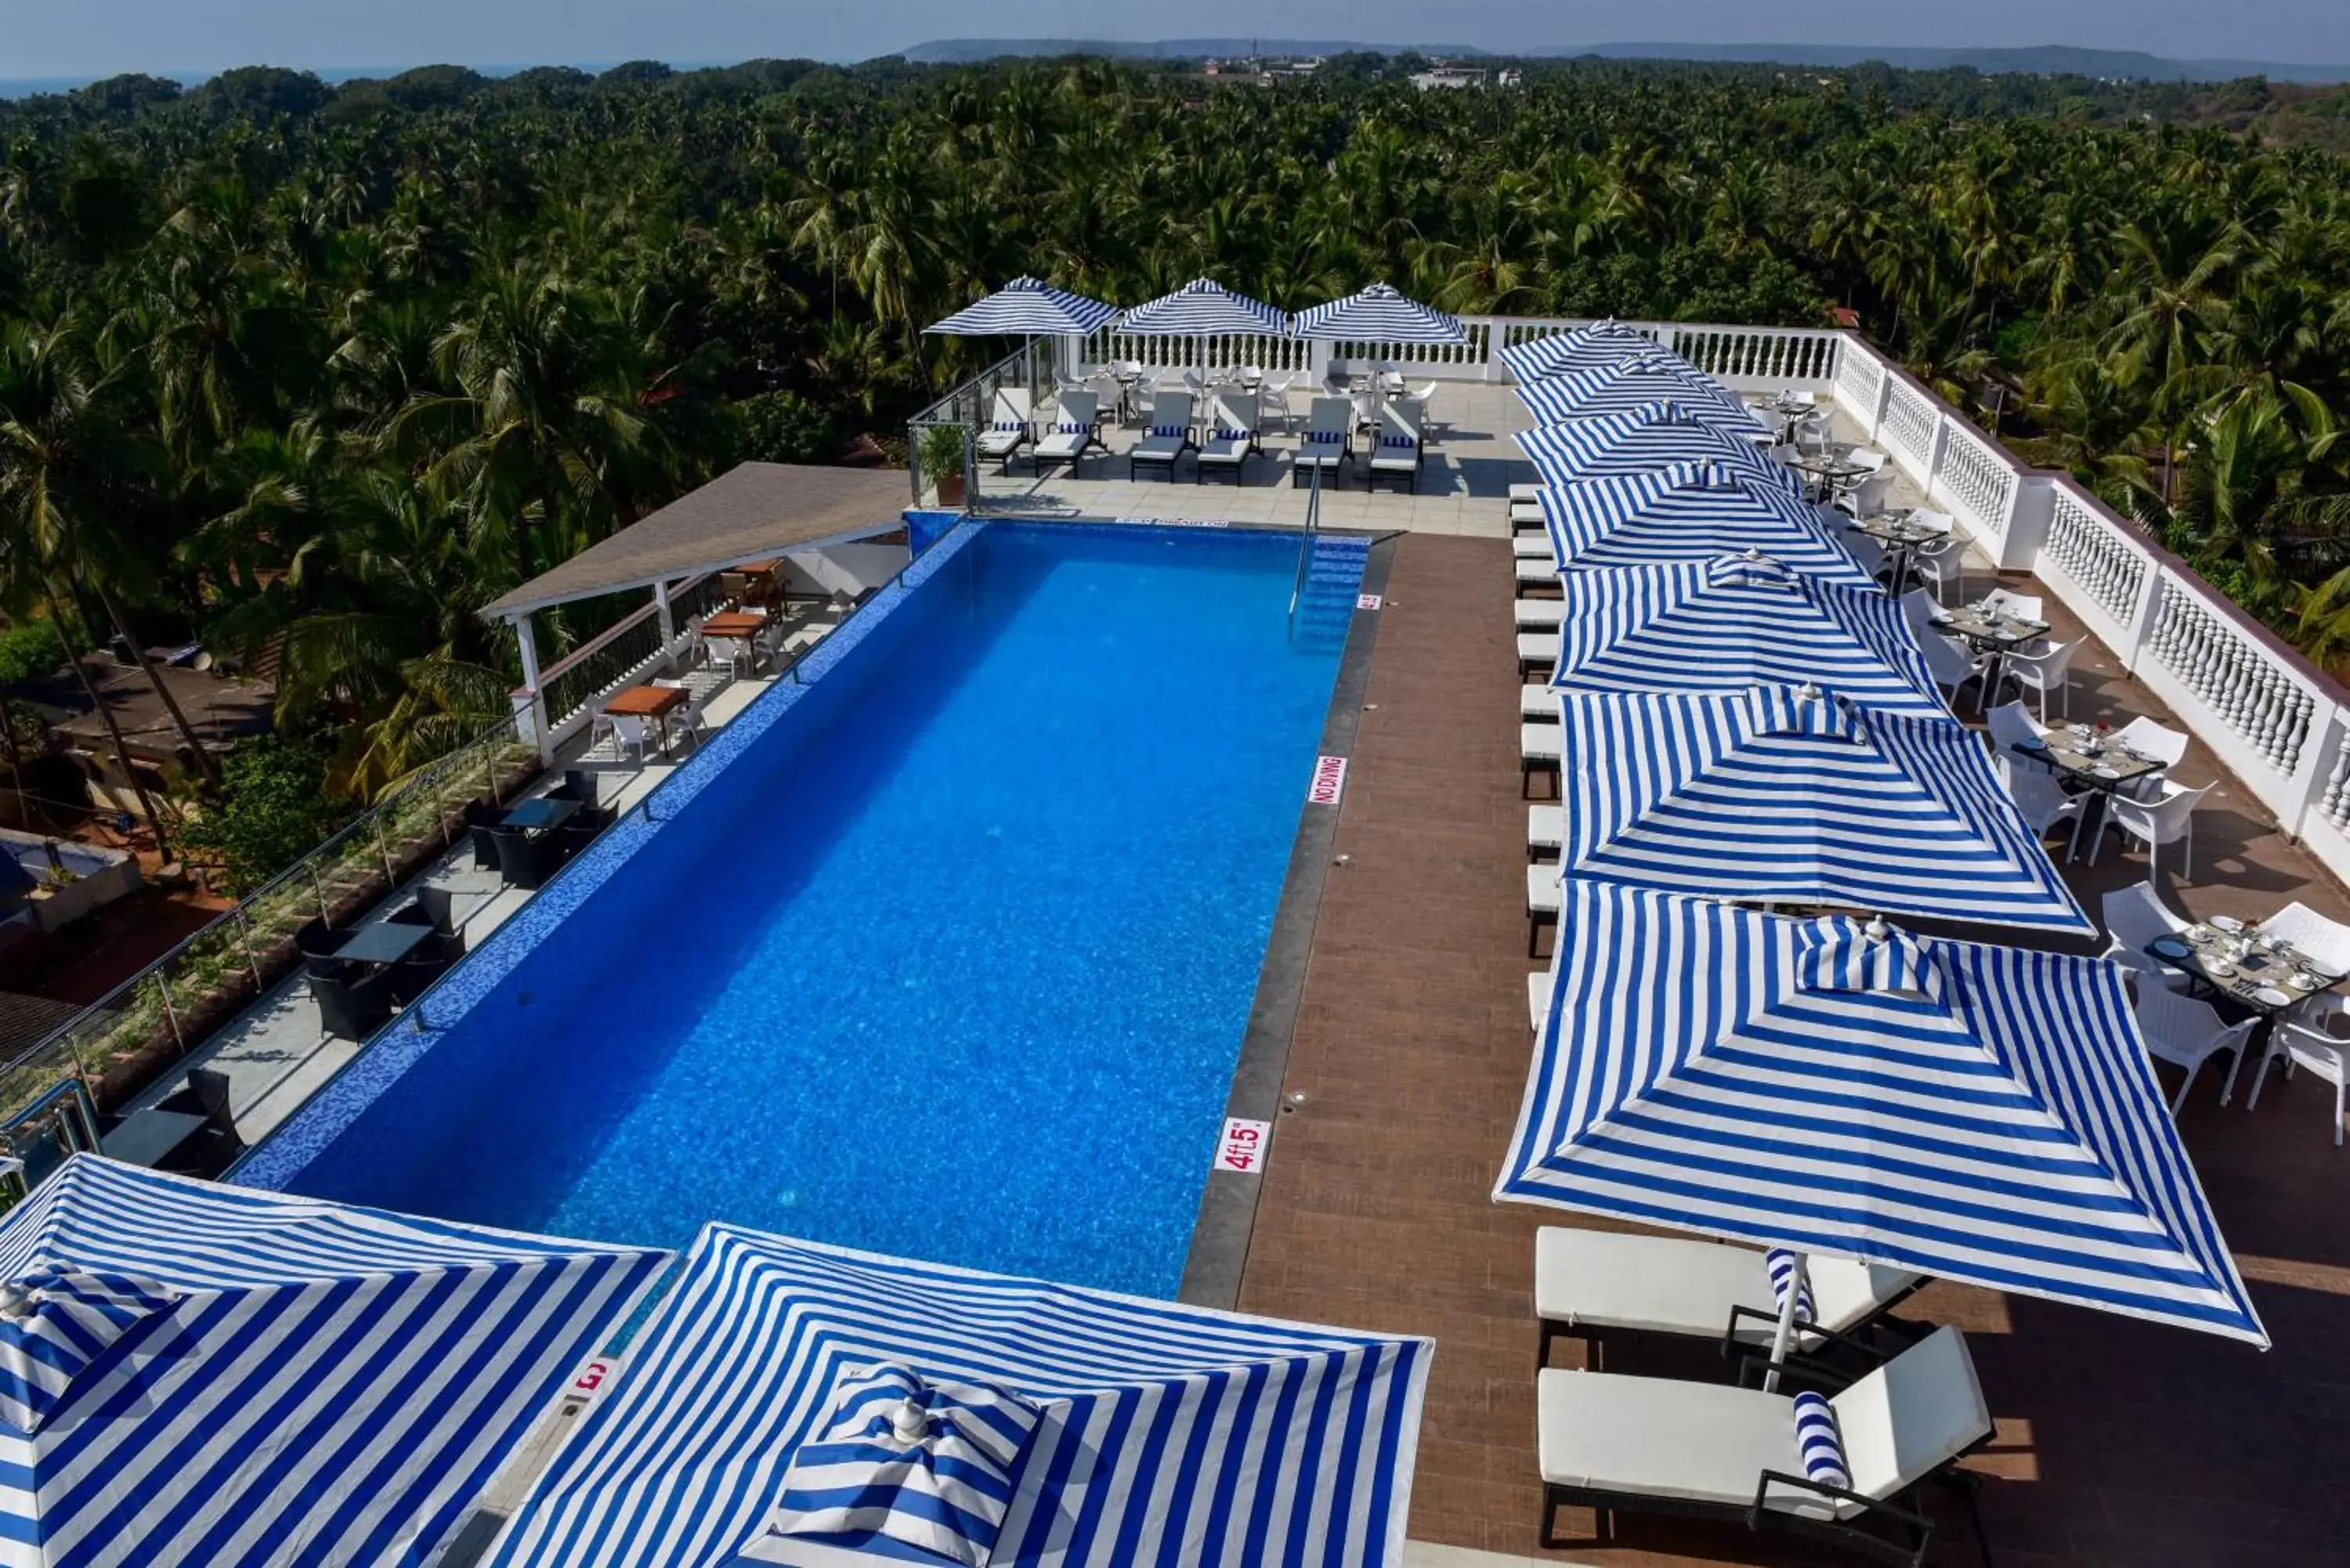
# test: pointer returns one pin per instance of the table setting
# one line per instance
(2263, 972)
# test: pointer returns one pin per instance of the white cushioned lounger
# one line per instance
(1543, 895)
(1539, 743)
(1540, 614)
(1536, 701)
(1547, 829)
(1603, 1281)
(1535, 546)
(1538, 986)
(1525, 493)
(1709, 1443)
(1534, 571)
(1537, 650)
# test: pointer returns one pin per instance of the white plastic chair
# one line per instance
(2010, 727)
(2049, 670)
(2327, 943)
(1925, 616)
(1941, 564)
(2187, 1033)
(1952, 663)
(687, 719)
(631, 732)
(2149, 738)
(1272, 398)
(2309, 1040)
(1866, 497)
(2167, 819)
(2135, 916)
(2041, 801)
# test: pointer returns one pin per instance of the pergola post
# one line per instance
(530, 711)
(662, 611)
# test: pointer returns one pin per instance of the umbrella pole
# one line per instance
(1784, 1333)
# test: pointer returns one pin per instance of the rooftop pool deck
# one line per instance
(2119, 1443)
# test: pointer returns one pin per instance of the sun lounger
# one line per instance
(1009, 428)
(1536, 701)
(1538, 572)
(1537, 654)
(1328, 441)
(1596, 1286)
(1538, 752)
(1544, 899)
(1540, 615)
(1535, 546)
(1076, 426)
(1231, 436)
(1525, 493)
(1169, 438)
(1545, 830)
(1401, 445)
(1661, 1444)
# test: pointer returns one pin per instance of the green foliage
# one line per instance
(942, 452)
(29, 651)
(272, 808)
(783, 426)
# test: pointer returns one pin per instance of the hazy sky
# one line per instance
(74, 37)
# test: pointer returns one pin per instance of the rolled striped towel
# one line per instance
(1401, 440)
(1232, 435)
(1782, 1264)
(1065, 428)
(1167, 430)
(1817, 1442)
(1008, 424)
(1324, 438)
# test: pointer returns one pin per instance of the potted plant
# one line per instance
(943, 457)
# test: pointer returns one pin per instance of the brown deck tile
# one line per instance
(2120, 1443)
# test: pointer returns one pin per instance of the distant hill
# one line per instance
(2047, 59)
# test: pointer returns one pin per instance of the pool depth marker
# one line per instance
(1329, 781)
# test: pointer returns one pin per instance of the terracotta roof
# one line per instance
(754, 512)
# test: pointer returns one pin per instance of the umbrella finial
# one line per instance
(1808, 693)
(909, 1420)
(1877, 930)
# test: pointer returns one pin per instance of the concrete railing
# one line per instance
(2269, 716)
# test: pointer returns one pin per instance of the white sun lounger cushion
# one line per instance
(1525, 493)
(1158, 446)
(1537, 568)
(1536, 701)
(1225, 448)
(1541, 612)
(1603, 1280)
(1538, 648)
(1655, 1437)
(1531, 547)
(1539, 743)
(1543, 895)
(1538, 986)
(1547, 829)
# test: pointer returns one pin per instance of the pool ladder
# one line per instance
(1305, 545)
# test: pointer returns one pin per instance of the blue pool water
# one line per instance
(953, 962)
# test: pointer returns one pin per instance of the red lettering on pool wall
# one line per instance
(1329, 781)
(1243, 1148)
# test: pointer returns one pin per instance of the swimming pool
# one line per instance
(954, 960)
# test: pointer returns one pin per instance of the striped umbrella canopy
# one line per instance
(1152, 1432)
(1984, 1114)
(1793, 794)
(1691, 512)
(193, 1373)
(1203, 308)
(1731, 623)
(1585, 348)
(1379, 315)
(1629, 382)
(1027, 307)
(1648, 436)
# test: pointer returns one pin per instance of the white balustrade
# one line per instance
(1908, 428)
(1859, 383)
(1758, 358)
(1975, 480)
(2243, 682)
(2091, 552)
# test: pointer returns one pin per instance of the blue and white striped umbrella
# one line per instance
(1793, 794)
(1203, 308)
(1983, 1114)
(1585, 348)
(200, 1373)
(1651, 436)
(1167, 1433)
(1379, 315)
(1691, 512)
(1629, 382)
(1028, 307)
(1730, 623)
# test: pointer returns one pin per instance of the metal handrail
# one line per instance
(1305, 543)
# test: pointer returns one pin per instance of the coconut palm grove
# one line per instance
(323, 369)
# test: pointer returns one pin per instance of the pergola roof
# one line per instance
(748, 514)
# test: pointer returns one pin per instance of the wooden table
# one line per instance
(2242, 965)
(1997, 633)
(1901, 535)
(738, 626)
(2103, 768)
(654, 702)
